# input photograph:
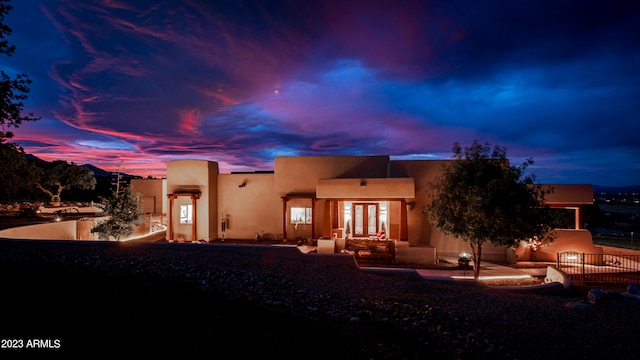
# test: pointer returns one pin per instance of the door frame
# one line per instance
(365, 217)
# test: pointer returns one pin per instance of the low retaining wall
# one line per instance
(406, 253)
(63, 230)
(556, 283)
(75, 230)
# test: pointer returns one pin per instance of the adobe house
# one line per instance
(326, 199)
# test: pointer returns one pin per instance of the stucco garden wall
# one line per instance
(63, 230)
(81, 230)
(451, 247)
(567, 240)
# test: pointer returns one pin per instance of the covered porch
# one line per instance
(364, 216)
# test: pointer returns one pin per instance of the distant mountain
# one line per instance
(97, 172)
(103, 173)
(32, 157)
(616, 189)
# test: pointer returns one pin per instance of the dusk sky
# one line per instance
(242, 82)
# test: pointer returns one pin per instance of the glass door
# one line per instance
(365, 219)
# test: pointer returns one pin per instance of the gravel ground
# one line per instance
(222, 301)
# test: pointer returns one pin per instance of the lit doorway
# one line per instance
(365, 219)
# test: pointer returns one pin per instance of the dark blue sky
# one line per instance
(241, 82)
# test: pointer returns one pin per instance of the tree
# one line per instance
(15, 168)
(59, 175)
(125, 213)
(481, 198)
(13, 91)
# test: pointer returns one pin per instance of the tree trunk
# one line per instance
(476, 252)
(476, 263)
(44, 190)
(60, 188)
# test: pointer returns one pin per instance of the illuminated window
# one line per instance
(185, 214)
(300, 215)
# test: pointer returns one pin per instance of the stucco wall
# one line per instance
(77, 230)
(366, 188)
(194, 175)
(423, 172)
(567, 240)
(299, 174)
(451, 247)
(63, 230)
(251, 209)
(570, 193)
(154, 199)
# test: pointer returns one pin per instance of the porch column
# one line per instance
(578, 217)
(313, 218)
(284, 218)
(194, 227)
(403, 220)
(169, 217)
(328, 221)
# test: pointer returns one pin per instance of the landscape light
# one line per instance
(494, 277)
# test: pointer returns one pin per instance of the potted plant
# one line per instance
(463, 260)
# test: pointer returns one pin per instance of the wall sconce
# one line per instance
(244, 183)
(363, 183)
(411, 205)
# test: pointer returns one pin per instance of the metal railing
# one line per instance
(600, 268)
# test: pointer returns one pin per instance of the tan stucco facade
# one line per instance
(152, 194)
(325, 192)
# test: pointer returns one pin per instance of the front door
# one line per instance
(365, 217)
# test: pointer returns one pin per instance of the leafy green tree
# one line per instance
(15, 169)
(13, 90)
(124, 210)
(59, 175)
(481, 198)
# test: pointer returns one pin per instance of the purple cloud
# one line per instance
(242, 82)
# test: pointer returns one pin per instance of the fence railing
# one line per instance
(600, 268)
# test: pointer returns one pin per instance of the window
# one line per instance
(186, 212)
(300, 215)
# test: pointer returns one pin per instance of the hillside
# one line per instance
(97, 172)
